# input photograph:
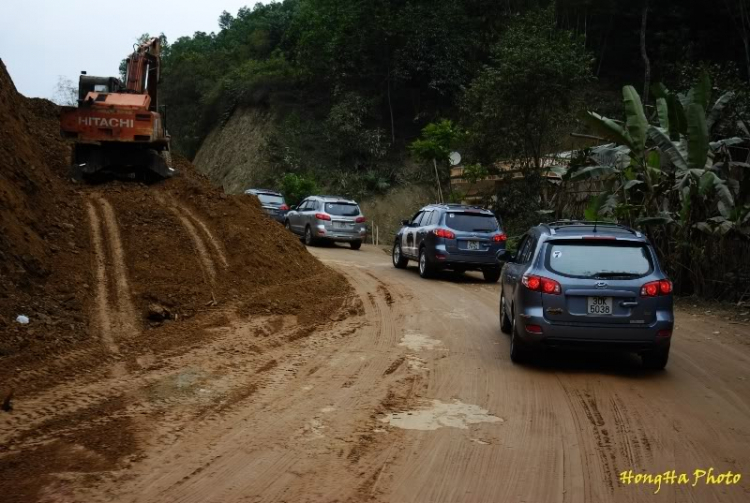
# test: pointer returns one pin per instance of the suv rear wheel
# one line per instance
(426, 269)
(491, 275)
(656, 359)
(356, 245)
(505, 324)
(309, 239)
(399, 261)
(519, 351)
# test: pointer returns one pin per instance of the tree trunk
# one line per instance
(390, 108)
(604, 45)
(644, 55)
(437, 178)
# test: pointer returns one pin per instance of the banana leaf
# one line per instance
(608, 128)
(700, 93)
(662, 109)
(677, 118)
(636, 122)
(662, 219)
(592, 172)
(729, 142)
(668, 147)
(697, 137)
(660, 91)
(632, 183)
(715, 114)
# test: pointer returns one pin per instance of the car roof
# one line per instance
(337, 199)
(577, 228)
(262, 191)
(457, 207)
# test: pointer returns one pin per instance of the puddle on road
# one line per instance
(438, 415)
(417, 342)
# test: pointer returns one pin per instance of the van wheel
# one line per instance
(356, 245)
(505, 324)
(519, 351)
(399, 261)
(426, 269)
(309, 239)
(655, 360)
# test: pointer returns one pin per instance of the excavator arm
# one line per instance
(142, 75)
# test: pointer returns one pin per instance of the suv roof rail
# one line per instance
(588, 223)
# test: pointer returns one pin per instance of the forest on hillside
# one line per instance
(374, 73)
(364, 94)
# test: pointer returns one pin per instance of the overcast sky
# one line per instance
(41, 39)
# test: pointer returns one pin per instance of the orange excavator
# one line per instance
(117, 129)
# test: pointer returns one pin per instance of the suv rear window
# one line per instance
(342, 209)
(599, 260)
(270, 199)
(471, 222)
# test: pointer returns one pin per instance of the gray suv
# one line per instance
(577, 284)
(273, 203)
(451, 236)
(327, 218)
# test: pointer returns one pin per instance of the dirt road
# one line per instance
(407, 395)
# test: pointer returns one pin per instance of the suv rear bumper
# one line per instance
(440, 257)
(324, 234)
(625, 338)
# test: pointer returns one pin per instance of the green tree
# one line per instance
(435, 144)
(519, 102)
(297, 187)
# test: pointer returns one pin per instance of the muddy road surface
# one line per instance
(405, 395)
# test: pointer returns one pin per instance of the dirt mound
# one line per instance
(91, 264)
(41, 236)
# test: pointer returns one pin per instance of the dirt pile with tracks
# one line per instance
(87, 263)
(43, 237)
(126, 286)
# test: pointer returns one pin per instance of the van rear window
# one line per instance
(592, 260)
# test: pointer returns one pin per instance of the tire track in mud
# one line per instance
(332, 425)
(113, 320)
(206, 246)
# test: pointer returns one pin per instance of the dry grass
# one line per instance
(386, 212)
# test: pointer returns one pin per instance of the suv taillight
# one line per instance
(444, 233)
(361, 220)
(656, 288)
(322, 216)
(284, 207)
(499, 238)
(541, 284)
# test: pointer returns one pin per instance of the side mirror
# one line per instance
(404, 222)
(506, 256)
(293, 207)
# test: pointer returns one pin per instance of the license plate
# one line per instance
(599, 306)
(472, 245)
(341, 225)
